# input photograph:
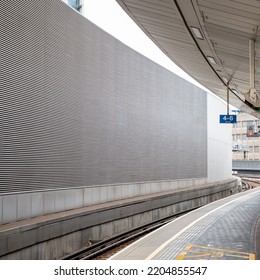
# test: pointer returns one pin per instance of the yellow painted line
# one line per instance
(243, 257)
(197, 255)
(182, 255)
(217, 249)
(212, 253)
(160, 248)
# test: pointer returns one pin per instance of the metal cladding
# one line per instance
(79, 108)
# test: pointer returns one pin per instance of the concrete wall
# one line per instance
(53, 236)
(219, 142)
(18, 206)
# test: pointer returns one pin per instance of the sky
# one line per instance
(110, 17)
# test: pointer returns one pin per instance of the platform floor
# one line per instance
(226, 229)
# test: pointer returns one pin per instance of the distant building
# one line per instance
(76, 4)
(239, 138)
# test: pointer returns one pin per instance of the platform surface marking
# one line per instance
(195, 252)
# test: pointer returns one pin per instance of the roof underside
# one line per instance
(228, 29)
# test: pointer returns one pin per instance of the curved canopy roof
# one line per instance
(217, 42)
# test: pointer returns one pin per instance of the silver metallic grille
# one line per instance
(79, 108)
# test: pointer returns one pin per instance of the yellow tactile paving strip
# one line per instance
(195, 252)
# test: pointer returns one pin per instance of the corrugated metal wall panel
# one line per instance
(79, 108)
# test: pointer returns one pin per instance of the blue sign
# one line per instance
(227, 118)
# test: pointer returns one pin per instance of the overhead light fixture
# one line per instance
(211, 59)
(224, 79)
(235, 91)
(198, 34)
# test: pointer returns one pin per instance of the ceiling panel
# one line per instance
(241, 7)
(226, 26)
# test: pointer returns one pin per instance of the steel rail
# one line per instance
(106, 245)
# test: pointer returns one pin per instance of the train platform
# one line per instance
(227, 229)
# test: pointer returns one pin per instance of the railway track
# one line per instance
(245, 186)
(249, 183)
(104, 246)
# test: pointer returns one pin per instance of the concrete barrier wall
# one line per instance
(19, 206)
(53, 236)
